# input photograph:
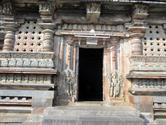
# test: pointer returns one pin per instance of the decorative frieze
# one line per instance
(29, 60)
(15, 100)
(29, 55)
(31, 63)
(151, 84)
(147, 63)
(88, 27)
(25, 79)
(147, 67)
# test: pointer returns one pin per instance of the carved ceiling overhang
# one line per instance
(92, 31)
(116, 1)
(91, 42)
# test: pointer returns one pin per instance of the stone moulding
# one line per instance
(148, 86)
(27, 60)
(36, 55)
(128, 1)
(147, 75)
(27, 70)
(147, 67)
(30, 71)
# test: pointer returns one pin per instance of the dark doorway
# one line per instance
(90, 74)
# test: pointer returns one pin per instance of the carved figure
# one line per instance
(115, 84)
(70, 80)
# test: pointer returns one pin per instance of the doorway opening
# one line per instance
(90, 75)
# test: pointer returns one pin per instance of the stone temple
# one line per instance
(82, 62)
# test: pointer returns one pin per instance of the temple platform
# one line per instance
(92, 115)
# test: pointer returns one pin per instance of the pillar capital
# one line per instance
(46, 10)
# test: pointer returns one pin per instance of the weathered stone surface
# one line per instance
(39, 98)
(92, 116)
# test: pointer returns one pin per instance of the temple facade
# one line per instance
(68, 52)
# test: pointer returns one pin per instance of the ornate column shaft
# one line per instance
(137, 28)
(46, 10)
(9, 25)
(136, 45)
(48, 36)
(9, 40)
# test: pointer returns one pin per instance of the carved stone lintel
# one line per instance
(48, 40)
(93, 12)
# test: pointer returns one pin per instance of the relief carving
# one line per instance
(70, 81)
(116, 84)
(149, 83)
(25, 79)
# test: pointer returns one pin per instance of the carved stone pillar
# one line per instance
(9, 25)
(9, 40)
(137, 28)
(48, 38)
(136, 45)
(46, 10)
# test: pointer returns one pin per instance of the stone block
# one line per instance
(39, 98)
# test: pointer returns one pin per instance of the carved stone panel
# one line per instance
(154, 41)
(29, 38)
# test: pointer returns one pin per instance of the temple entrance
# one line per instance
(90, 75)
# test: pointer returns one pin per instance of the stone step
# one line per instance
(36, 117)
(13, 118)
(77, 115)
